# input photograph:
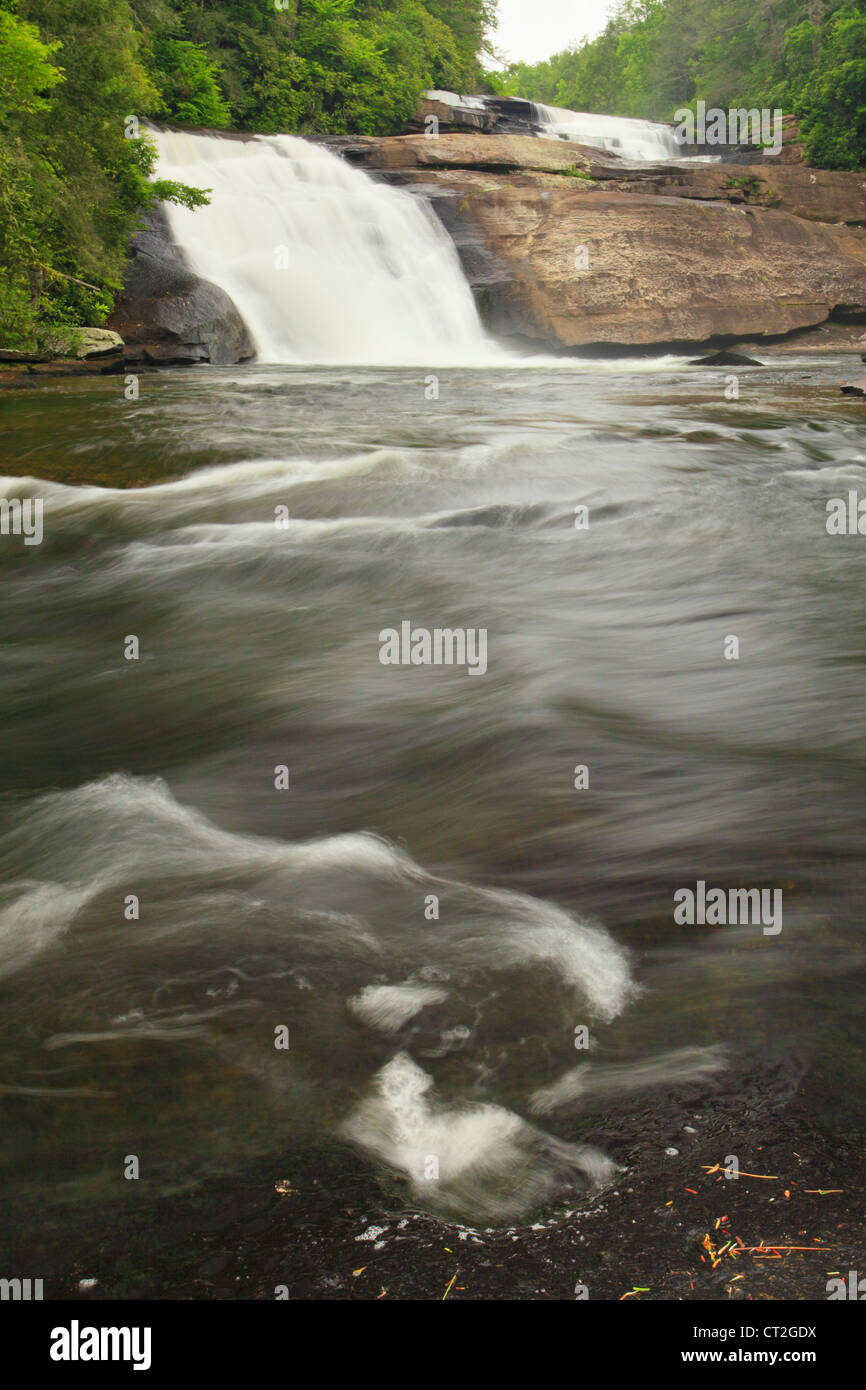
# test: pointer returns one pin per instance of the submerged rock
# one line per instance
(726, 359)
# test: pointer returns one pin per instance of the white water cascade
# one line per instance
(324, 264)
(631, 139)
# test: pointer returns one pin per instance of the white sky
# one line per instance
(530, 30)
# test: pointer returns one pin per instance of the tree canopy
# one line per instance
(807, 57)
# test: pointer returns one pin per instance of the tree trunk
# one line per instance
(293, 24)
(36, 276)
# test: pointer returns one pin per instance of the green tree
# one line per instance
(187, 82)
(654, 56)
(27, 75)
(829, 86)
(73, 184)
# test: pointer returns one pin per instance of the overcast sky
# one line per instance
(533, 29)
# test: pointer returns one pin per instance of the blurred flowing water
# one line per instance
(324, 264)
(415, 1037)
(629, 138)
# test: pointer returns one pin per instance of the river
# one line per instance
(246, 823)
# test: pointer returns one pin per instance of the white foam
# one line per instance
(465, 1157)
(583, 956)
(36, 919)
(388, 1007)
(110, 833)
(594, 1079)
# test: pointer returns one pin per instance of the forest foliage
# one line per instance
(806, 57)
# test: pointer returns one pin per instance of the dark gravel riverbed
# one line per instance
(671, 1228)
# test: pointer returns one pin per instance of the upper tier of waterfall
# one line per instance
(621, 135)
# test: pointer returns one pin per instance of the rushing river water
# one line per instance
(414, 1036)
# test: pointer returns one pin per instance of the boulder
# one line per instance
(168, 314)
(452, 113)
(95, 342)
(726, 359)
(573, 268)
(83, 342)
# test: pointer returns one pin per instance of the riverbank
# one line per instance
(828, 341)
(28, 374)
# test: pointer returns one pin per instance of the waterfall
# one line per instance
(631, 139)
(324, 264)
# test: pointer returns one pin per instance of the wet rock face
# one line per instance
(167, 314)
(572, 247)
(634, 270)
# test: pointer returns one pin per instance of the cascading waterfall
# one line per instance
(631, 139)
(324, 264)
